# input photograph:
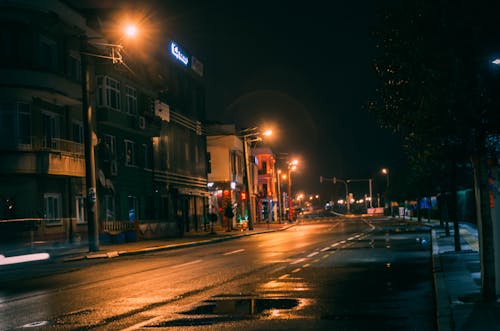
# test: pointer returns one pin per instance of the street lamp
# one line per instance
(292, 166)
(278, 180)
(88, 132)
(249, 136)
(385, 172)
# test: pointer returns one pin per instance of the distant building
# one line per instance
(226, 172)
(267, 185)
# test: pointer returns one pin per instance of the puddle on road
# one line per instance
(230, 309)
(248, 306)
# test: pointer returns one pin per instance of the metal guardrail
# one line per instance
(114, 227)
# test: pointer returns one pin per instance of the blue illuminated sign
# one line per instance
(178, 53)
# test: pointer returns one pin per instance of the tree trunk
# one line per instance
(485, 230)
(419, 210)
(453, 207)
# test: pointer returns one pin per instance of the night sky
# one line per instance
(304, 68)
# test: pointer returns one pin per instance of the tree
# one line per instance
(436, 92)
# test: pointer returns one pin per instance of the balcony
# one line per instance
(39, 155)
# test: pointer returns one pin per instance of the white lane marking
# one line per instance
(234, 252)
(186, 264)
(298, 261)
(316, 261)
(343, 242)
(296, 270)
(334, 245)
(284, 276)
(325, 249)
(351, 238)
(312, 254)
(143, 323)
(306, 265)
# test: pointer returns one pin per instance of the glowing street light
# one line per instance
(131, 31)
(292, 166)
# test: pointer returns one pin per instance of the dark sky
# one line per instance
(304, 68)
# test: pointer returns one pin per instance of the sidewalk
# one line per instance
(73, 252)
(457, 281)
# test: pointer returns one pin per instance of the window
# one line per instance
(47, 53)
(51, 129)
(52, 202)
(109, 207)
(108, 92)
(77, 132)
(9, 47)
(147, 163)
(15, 122)
(130, 100)
(110, 142)
(186, 151)
(209, 163)
(80, 209)
(74, 66)
(130, 153)
(133, 208)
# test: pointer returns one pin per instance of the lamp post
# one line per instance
(278, 180)
(385, 171)
(92, 211)
(292, 166)
(250, 135)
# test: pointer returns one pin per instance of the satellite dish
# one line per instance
(102, 178)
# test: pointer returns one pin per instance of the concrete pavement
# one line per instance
(457, 281)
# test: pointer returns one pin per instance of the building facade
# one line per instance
(149, 143)
(41, 145)
(226, 175)
(267, 195)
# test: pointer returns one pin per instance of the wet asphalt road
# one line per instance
(319, 275)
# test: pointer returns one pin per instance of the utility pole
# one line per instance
(88, 132)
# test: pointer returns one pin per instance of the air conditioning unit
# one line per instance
(114, 168)
(142, 122)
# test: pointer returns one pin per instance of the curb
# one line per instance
(112, 254)
(444, 318)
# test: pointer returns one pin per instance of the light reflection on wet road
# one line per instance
(337, 274)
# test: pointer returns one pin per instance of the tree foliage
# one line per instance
(433, 66)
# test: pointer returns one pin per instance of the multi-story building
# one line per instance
(180, 167)
(226, 173)
(41, 131)
(267, 202)
(150, 150)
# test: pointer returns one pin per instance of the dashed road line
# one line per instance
(298, 261)
(186, 264)
(234, 252)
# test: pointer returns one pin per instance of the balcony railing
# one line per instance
(36, 143)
